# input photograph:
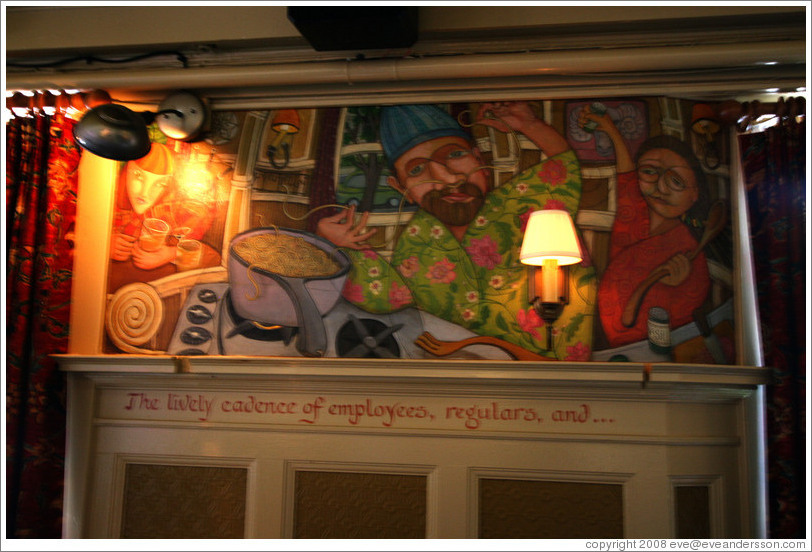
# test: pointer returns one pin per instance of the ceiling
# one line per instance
(252, 54)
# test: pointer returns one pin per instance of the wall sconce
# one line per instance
(45, 102)
(20, 104)
(52, 101)
(705, 124)
(285, 124)
(115, 132)
(72, 104)
(551, 243)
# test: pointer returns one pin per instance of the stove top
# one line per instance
(208, 325)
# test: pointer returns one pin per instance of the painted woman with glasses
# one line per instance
(662, 204)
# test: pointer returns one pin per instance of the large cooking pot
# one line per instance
(270, 298)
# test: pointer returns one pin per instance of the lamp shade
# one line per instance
(286, 120)
(114, 132)
(550, 234)
(703, 121)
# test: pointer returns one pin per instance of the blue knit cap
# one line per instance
(405, 126)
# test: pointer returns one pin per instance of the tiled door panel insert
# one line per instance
(692, 508)
(531, 509)
(343, 505)
(183, 502)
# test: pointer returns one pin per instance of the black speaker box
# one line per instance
(356, 28)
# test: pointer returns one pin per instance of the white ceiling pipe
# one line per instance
(555, 91)
(480, 66)
(575, 62)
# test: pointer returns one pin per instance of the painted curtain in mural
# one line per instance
(395, 232)
(41, 179)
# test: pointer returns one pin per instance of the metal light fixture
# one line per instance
(115, 132)
(181, 116)
(285, 124)
(551, 243)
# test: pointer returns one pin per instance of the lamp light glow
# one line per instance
(550, 234)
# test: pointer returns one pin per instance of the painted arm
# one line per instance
(519, 117)
(605, 124)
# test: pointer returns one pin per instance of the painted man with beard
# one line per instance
(458, 257)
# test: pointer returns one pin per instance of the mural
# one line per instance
(395, 232)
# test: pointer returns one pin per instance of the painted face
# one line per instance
(667, 182)
(145, 188)
(445, 176)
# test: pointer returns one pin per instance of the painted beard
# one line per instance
(454, 213)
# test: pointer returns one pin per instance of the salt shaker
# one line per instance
(659, 331)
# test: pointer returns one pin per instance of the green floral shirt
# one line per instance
(479, 283)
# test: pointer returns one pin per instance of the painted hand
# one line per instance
(342, 230)
(121, 246)
(603, 121)
(506, 116)
(147, 260)
(678, 267)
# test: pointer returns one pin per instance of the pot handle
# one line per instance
(312, 339)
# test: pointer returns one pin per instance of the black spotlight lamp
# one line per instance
(113, 131)
(116, 132)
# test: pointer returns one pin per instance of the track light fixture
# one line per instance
(116, 132)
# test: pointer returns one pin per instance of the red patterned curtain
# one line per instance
(774, 165)
(41, 163)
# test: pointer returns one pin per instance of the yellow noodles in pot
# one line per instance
(286, 255)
